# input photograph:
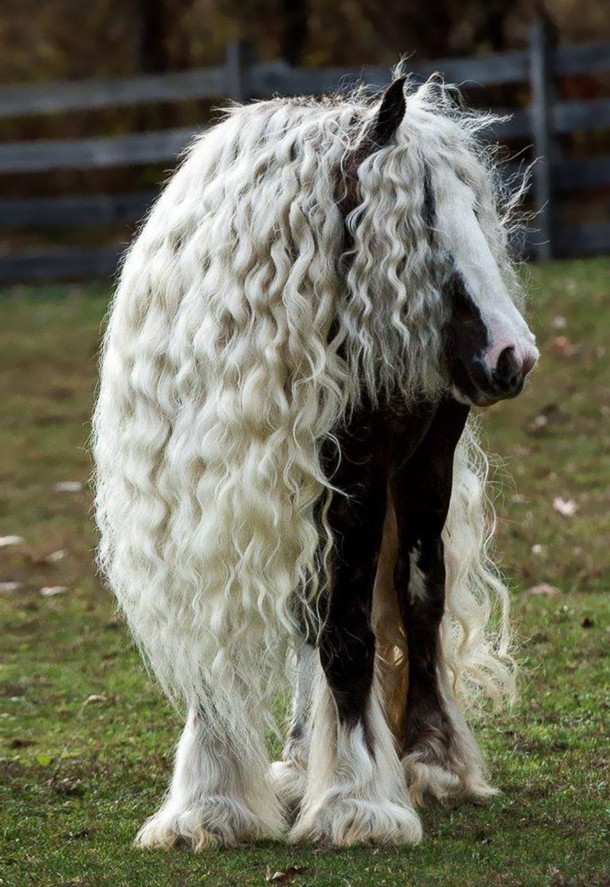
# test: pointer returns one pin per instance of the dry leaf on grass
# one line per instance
(95, 698)
(52, 590)
(286, 877)
(5, 541)
(543, 590)
(538, 424)
(8, 587)
(52, 558)
(68, 486)
(561, 345)
(550, 412)
(565, 507)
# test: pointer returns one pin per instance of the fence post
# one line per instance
(542, 82)
(239, 58)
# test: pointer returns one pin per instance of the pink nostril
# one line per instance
(529, 362)
(508, 358)
(507, 362)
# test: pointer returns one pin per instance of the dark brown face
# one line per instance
(489, 349)
(480, 374)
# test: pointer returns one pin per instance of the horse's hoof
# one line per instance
(289, 782)
(164, 833)
(216, 822)
(430, 779)
(348, 821)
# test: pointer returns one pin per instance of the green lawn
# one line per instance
(86, 739)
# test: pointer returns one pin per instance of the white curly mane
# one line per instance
(241, 333)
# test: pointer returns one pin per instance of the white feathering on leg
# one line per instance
(355, 794)
(289, 776)
(219, 794)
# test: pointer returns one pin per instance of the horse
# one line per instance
(290, 487)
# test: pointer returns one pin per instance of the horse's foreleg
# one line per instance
(440, 754)
(356, 790)
(220, 793)
(289, 775)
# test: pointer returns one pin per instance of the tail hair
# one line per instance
(476, 638)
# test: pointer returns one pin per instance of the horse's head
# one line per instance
(456, 241)
(489, 348)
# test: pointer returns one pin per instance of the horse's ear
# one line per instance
(389, 114)
(455, 94)
(442, 92)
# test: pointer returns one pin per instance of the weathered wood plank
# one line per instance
(148, 147)
(65, 96)
(485, 70)
(70, 264)
(239, 61)
(97, 153)
(96, 209)
(84, 95)
(588, 115)
(515, 125)
(277, 77)
(541, 109)
(583, 59)
(583, 239)
(574, 175)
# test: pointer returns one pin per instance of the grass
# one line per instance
(86, 739)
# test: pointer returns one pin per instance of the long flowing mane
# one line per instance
(245, 326)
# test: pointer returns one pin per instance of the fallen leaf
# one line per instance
(543, 590)
(561, 345)
(285, 877)
(52, 590)
(7, 587)
(565, 507)
(538, 424)
(52, 558)
(5, 541)
(95, 698)
(68, 486)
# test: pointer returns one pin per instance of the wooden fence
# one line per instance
(242, 78)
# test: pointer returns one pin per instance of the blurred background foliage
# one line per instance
(70, 39)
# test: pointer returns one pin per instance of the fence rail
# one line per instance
(241, 78)
(263, 79)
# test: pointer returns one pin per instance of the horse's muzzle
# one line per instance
(505, 379)
(482, 382)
